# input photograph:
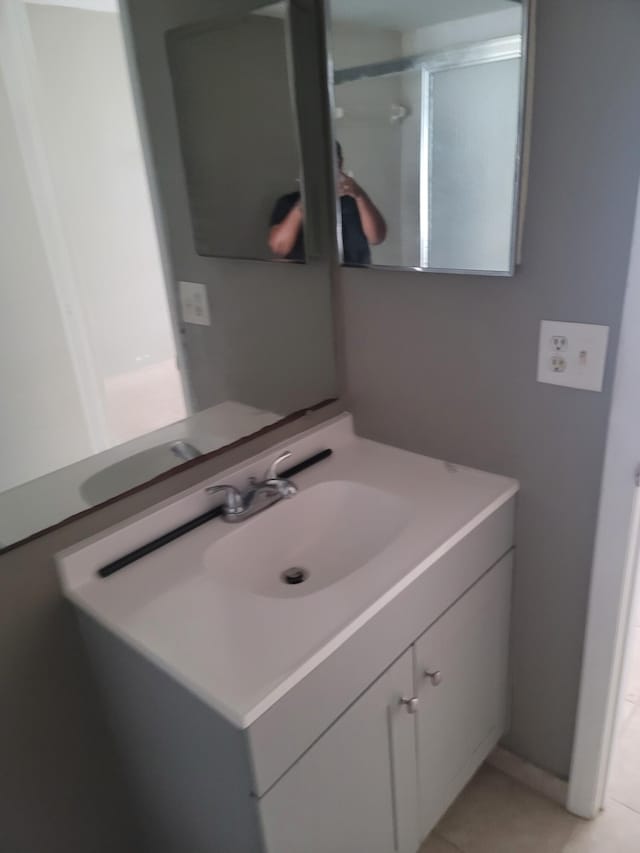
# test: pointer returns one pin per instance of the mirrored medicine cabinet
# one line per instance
(429, 108)
(182, 176)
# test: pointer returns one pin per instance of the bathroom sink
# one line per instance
(309, 542)
(213, 608)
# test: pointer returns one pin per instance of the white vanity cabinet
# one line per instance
(381, 777)
(340, 764)
(254, 717)
(355, 789)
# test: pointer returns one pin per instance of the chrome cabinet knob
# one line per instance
(411, 704)
(434, 677)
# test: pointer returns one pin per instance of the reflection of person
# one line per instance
(362, 223)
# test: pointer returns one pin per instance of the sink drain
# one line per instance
(294, 576)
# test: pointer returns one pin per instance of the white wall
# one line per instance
(42, 424)
(463, 31)
(77, 135)
(95, 156)
(615, 571)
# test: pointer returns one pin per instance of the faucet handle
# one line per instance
(272, 473)
(233, 503)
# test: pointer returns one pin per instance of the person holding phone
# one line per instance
(363, 225)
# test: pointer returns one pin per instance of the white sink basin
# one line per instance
(328, 531)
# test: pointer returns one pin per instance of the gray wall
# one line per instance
(237, 132)
(446, 365)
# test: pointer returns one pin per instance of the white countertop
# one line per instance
(241, 652)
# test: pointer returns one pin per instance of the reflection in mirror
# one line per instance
(428, 116)
(231, 85)
(125, 353)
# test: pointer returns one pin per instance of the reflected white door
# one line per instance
(470, 144)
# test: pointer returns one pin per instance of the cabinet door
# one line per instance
(354, 790)
(463, 704)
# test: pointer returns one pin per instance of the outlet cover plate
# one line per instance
(194, 303)
(572, 354)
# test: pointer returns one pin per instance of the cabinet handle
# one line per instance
(411, 704)
(391, 714)
(434, 677)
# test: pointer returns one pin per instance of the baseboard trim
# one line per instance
(533, 777)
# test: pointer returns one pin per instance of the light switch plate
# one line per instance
(194, 303)
(572, 354)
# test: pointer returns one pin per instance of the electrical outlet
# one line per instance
(559, 343)
(572, 354)
(194, 304)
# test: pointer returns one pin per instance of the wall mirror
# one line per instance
(428, 121)
(238, 139)
(125, 351)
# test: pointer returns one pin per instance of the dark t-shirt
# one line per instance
(354, 242)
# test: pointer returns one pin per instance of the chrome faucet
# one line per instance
(258, 496)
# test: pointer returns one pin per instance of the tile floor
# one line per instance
(624, 781)
(496, 814)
